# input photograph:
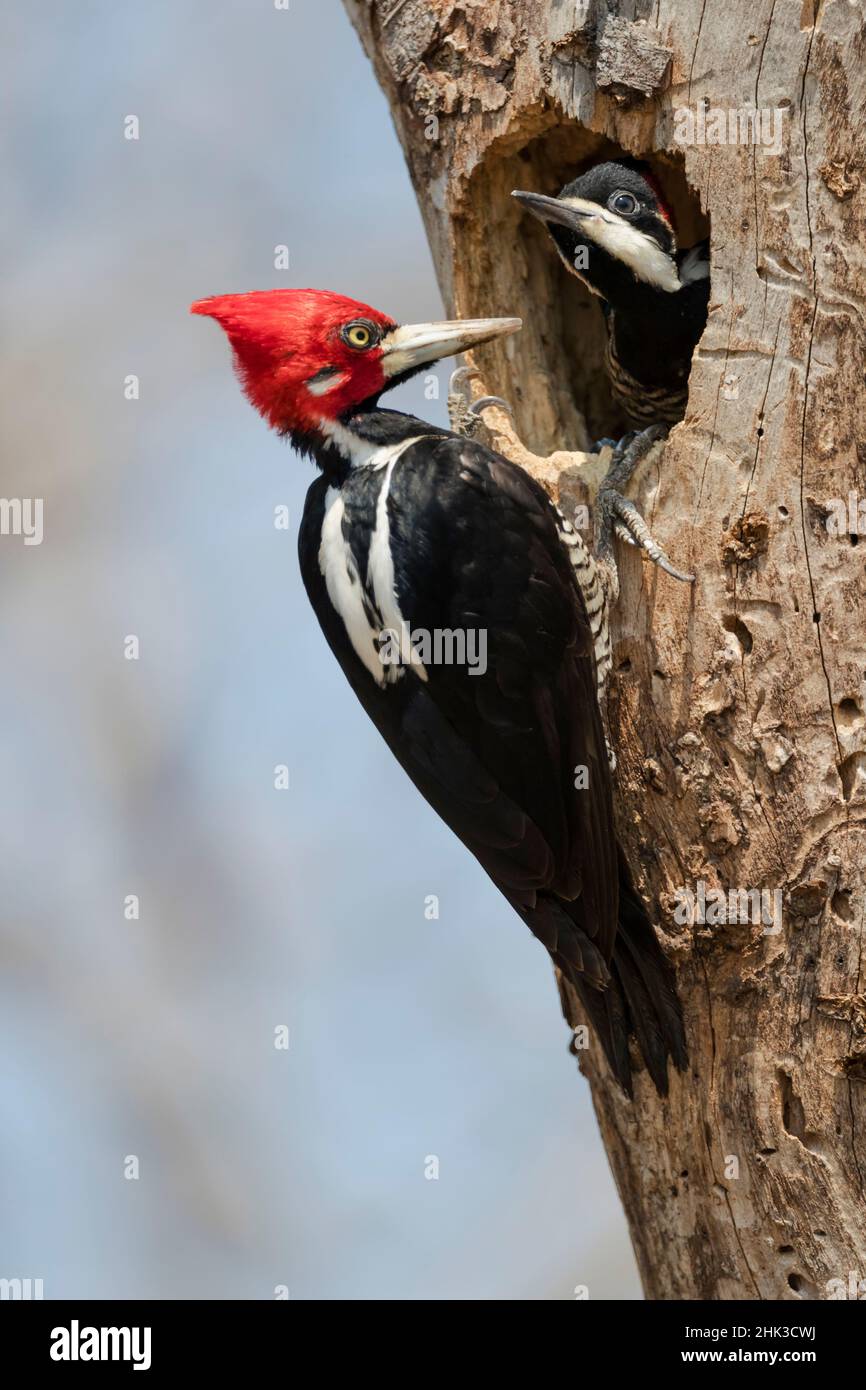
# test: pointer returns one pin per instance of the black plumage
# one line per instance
(475, 545)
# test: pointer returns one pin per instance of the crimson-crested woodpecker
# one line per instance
(411, 528)
(614, 232)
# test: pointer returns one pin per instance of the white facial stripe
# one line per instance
(643, 256)
(321, 385)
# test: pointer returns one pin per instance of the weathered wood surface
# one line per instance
(739, 708)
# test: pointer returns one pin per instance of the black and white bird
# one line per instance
(613, 231)
(412, 534)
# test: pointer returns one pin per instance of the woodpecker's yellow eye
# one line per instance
(359, 335)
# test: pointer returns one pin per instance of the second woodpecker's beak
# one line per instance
(572, 213)
(610, 233)
(414, 344)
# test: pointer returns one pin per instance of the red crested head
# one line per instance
(306, 358)
(664, 207)
(302, 355)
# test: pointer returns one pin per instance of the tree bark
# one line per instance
(738, 707)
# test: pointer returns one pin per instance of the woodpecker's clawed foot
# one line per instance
(618, 516)
(464, 413)
(459, 398)
(630, 526)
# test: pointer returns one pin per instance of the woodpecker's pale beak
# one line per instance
(572, 214)
(613, 234)
(414, 344)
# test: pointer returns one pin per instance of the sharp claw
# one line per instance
(484, 401)
(623, 519)
(664, 563)
(465, 414)
(459, 401)
(459, 375)
(628, 524)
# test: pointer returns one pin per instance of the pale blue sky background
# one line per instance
(155, 1038)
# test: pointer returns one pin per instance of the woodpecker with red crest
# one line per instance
(613, 231)
(413, 529)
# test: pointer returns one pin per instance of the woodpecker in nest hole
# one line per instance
(411, 529)
(613, 231)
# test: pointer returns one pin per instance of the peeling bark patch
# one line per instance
(748, 538)
(631, 60)
(408, 30)
(655, 776)
(838, 171)
(455, 60)
(840, 179)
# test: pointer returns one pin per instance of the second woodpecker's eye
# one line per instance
(623, 202)
(360, 334)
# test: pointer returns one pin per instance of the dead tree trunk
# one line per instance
(737, 709)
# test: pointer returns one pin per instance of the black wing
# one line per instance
(497, 754)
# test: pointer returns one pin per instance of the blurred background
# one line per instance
(153, 1037)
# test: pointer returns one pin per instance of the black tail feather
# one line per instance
(640, 999)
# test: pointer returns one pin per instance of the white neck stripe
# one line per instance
(363, 453)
